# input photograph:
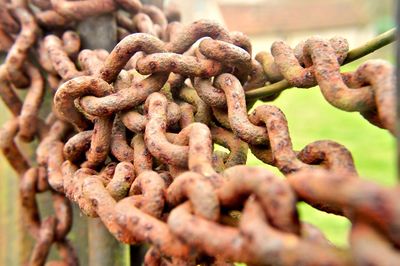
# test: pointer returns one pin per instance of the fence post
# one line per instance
(103, 249)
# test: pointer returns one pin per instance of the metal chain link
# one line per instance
(131, 136)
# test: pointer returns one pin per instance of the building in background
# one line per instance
(291, 20)
(192, 10)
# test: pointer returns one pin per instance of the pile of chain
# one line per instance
(131, 135)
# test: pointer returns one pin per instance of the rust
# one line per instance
(155, 138)
(198, 137)
(257, 76)
(230, 54)
(8, 94)
(42, 4)
(123, 177)
(125, 49)
(132, 6)
(28, 118)
(63, 214)
(275, 196)
(8, 23)
(77, 145)
(119, 144)
(51, 19)
(79, 10)
(287, 61)
(6, 41)
(378, 96)
(149, 190)
(123, 99)
(187, 117)
(361, 238)
(54, 174)
(71, 43)
(189, 34)
(269, 67)
(315, 191)
(200, 193)
(142, 158)
(131, 138)
(329, 154)
(180, 64)
(60, 60)
(78, 179)
(104, 205)
(58, 131)
(144, 24)
(238, 149)
(18, 53)
(100, 144)
(146, 227)
(45, 240)
(136, 122)
(209, 94)
(202, 112)
(72, 89)
(90, 61)
(237, 111)
(10, 149)
(29, 205)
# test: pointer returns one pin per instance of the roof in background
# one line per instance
(258, 17)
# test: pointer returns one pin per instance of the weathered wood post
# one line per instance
(103, 249)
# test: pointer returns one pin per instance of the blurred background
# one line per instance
(268, 20)
(309, 116)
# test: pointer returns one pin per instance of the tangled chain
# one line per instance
(131, 135)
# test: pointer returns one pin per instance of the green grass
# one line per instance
(312, 118)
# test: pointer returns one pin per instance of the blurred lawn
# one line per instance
(311, 118)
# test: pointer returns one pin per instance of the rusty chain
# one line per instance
(131, 135)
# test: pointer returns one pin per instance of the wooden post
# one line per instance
(104, 250)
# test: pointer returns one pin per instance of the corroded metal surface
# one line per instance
(131, 136)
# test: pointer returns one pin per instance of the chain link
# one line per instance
(131, 135)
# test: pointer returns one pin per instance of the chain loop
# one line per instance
(131, 138)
